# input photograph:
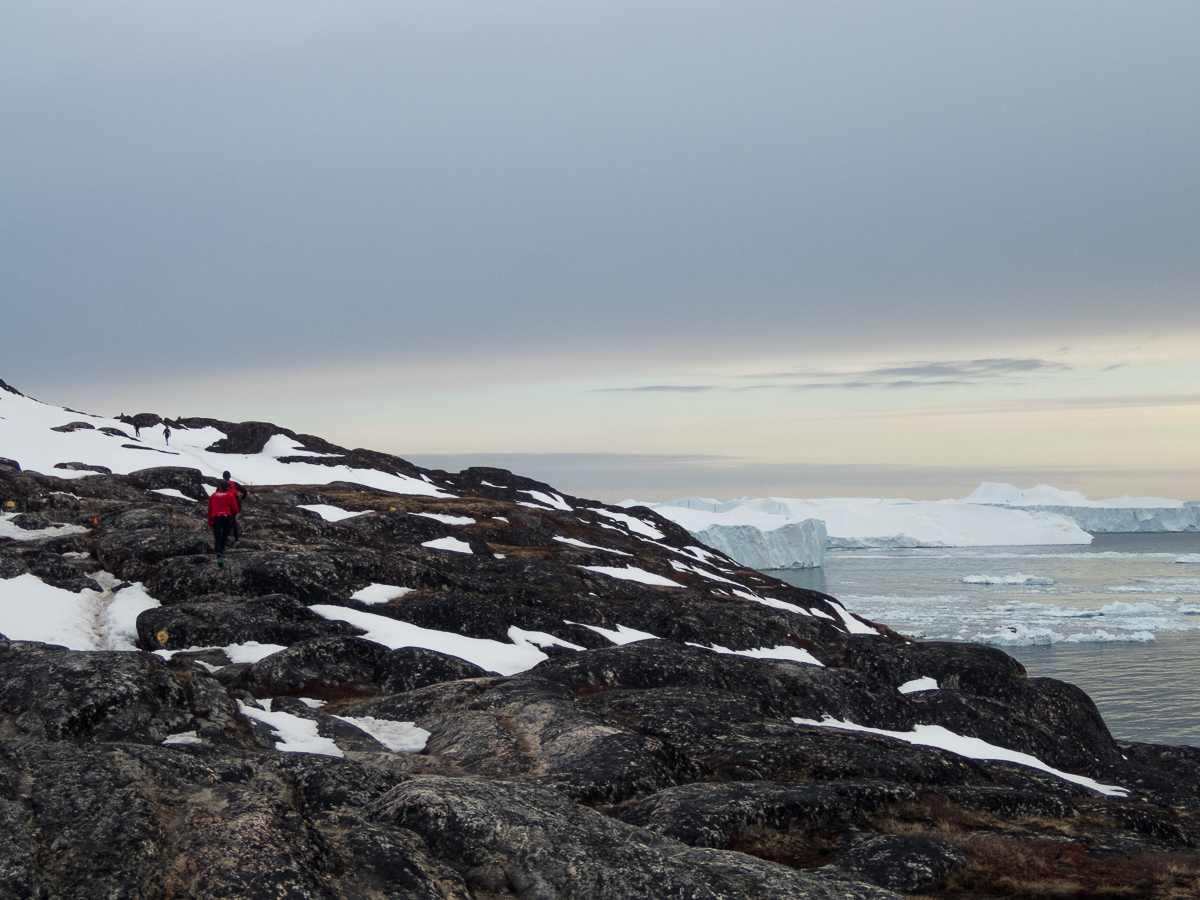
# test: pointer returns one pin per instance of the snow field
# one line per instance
(27, 436)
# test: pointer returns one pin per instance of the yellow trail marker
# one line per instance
(162, 637)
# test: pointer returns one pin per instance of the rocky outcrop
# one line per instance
(273, 736)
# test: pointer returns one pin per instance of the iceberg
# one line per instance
(759, 533)
(1118, 514)
(855, 523)
(797, 545)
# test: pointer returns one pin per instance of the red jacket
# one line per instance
(222, 503)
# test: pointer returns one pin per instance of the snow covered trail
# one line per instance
(31, 610)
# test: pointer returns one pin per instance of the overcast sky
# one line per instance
(637, 249)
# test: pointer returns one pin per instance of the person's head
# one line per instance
(225, 475)
(223, 486)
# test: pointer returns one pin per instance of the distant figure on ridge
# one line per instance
(222, 508)
(166, 432)
(241, 492)
(137, 430)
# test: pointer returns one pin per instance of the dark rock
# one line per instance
(273, 619)
(911, 864)
(396, 863)
(186, 481)
(319, 668)
(421, 704)
(1056, 722)
(310, 577)
(56, 694)
(30, 521)
(720, 731)
(533, 842)
(58, 572)
(711, 815)
(246, 437)
(83, 467)
(779, 689)
(1009, 803)
(74, 426)
(410, 668)
(530, 728)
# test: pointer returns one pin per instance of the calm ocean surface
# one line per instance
(1120, 617)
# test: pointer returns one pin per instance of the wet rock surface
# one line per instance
(272, 737)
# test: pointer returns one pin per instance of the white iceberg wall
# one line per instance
(797, 545)
(1108, 519)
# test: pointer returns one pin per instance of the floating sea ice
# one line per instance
(1007, 579)
(1104, 637)
(1018, 636)
(1119, 608)
(1189, 559)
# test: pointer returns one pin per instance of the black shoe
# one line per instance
(220, 560)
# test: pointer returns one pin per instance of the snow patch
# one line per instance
(447, 519)
(379, 593)
(400, 737)
(621, 635)
(919, 684)
(554, 501)
(575, 542)
(633, 573)
(493, 656)
(170, 492)
(1007, 579)
(454, 545)
(972, 748)
(637, 526)
(296, 735)
(330, 513)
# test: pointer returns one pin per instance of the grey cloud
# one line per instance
(977, 368)
(915, 375)
(658, 388)
(678, 179)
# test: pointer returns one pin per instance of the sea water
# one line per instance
(1120, 617)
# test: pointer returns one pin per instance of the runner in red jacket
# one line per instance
(241, 495)
(222, 507)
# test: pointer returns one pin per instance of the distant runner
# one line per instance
(241, 492)
(166, 432)
(222, 509)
